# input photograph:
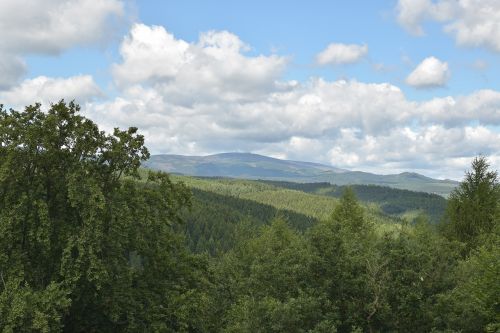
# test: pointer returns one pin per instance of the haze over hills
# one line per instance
(254, 166)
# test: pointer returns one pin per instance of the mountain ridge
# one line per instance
(255, 166)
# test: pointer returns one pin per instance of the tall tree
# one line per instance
(349, 212)
(473, 204)
(82, 249)
(344, 261)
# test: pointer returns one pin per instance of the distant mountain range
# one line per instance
(253, 166)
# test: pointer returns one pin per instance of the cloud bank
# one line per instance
(210, 96)
(213, 95)
(48, 90)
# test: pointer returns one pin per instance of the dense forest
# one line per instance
(220, 204)
(392, 201)
(89, 242)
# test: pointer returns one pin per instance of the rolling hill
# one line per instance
(224, 210)
(253, 166)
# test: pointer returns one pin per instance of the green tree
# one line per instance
(264, 284)
(82, 249)
(345, 264)
(473, 304)
(419, 265)
(473, 204)
(350, 213)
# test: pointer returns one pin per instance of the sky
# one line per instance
(378, 86)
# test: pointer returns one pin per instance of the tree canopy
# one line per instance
(82, 248)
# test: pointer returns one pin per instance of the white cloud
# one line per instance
(472, 22)
(432, 150)
(431, 72)
(477, 23)
(482, 106)
(315, 109)
(212, 95)
(411, 13)
(331, 122)
(214, 68)
(150, 53)
(50, 90)
(427, 148)
(338, 54)
(51, 26)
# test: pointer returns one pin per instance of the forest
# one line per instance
(92, 242)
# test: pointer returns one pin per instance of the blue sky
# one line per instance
(302, 29)
(381, 86)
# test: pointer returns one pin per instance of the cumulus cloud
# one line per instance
(215, 67)
(431, 72)
(314, 109)
(471, 22)
(338, 54)
(50, 90)
(477, 24)
(482, 106)
(434, 150)
(312, 122)
(150, 53)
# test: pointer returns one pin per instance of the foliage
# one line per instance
(418, 266)
(473, 205)
(81, 249)
(474, 301)
(267, 285)
(343, 276)
(342, 251)
(91, 243)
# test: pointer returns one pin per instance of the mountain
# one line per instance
(253, 166)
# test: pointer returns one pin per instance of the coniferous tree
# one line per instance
(473, 204)
(349, 212)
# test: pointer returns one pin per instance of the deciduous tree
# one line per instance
(82, 248)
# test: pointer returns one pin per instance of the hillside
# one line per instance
(214, 222)
(316, 206)
(391, 201)
(221, 205)
(253, 166)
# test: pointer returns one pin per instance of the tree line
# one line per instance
(87, 247)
